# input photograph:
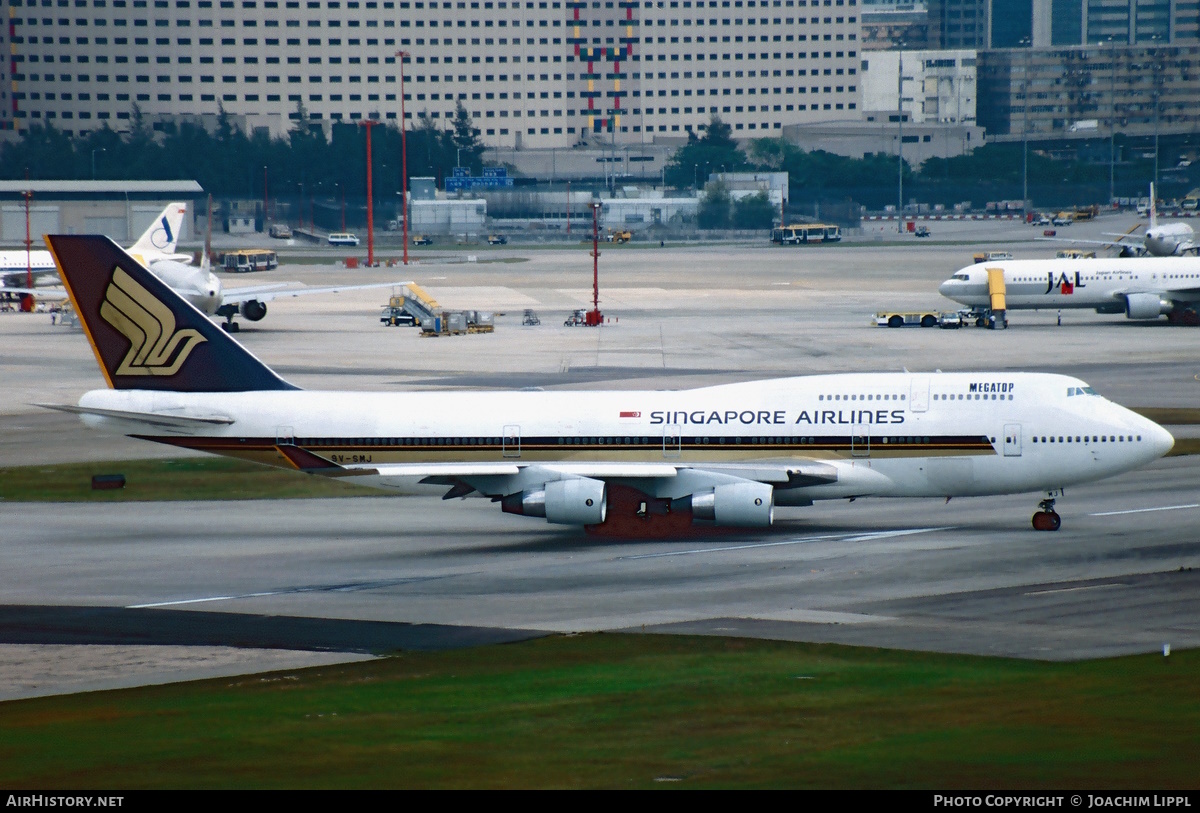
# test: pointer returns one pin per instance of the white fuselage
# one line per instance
(888, 434)
(16, 265)
(196, 284)
(1169, 239)
(1076, 283)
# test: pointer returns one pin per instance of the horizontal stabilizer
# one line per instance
(151, 418)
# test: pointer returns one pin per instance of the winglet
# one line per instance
(145, 336)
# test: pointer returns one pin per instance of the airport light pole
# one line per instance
(266, 199)
(900, 141)
(1027, 44)
(401, 56)
(1157, 79)
(27, 299)
(1112, 123)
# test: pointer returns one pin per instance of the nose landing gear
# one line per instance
(1046, 519)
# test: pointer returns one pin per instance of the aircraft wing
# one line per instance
(1123, 241)
(11, 277)
(49, 294)
(666, 479)
(265, 293)
(1186, 293)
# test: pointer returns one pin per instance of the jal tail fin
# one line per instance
(1153, 209)
(163, 234)
(146, 336)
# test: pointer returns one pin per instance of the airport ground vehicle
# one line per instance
(395, 313)
(992, 256)
(921, 231)
(804, 233)
(342, 239)
(250, 259)
(422, 240)
(619, 236)
(951, 319)
(457, 323)
(577, 318)
(1063, 219)
(530, 317)
(1075, 254)
(497, 240)
(280, 231)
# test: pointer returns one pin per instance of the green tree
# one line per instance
(715, 152)
(465, 138)
(753, 212)
(714, 208)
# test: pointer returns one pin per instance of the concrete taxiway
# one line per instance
(1122, 576)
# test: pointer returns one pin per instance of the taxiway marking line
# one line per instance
(1146, 510)
(195, 601)
(1076, 589)
(798, 541)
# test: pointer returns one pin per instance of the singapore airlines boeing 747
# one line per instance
(634, 464)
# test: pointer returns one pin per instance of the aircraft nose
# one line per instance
(1159, 440)
(946, 289)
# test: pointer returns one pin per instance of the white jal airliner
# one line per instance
(635, 464)
(1141, 288)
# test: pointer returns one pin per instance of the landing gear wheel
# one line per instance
(230, 327)
(1046, 521)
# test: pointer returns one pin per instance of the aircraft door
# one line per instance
(672, 440)
(919, 394)
(285, 436)
(860, 440)
(1012, 440)
(512, 440)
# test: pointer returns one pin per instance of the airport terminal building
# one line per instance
(544, 74)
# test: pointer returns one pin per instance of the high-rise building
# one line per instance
(550, 73)
(1050, 23)
(1089, 91)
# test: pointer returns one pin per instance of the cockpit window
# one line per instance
(962, 277)
(1072, 391)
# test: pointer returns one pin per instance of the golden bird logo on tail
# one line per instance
(155, 346)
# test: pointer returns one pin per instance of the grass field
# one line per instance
(630, 711)
(190, 478)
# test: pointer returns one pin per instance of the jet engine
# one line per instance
(1146, 306)
(744, 504)
(253, 310)
(577, 501)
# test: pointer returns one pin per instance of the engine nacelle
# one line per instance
(577, 501)
(253, 310)
(1146, 306)
(743, 504)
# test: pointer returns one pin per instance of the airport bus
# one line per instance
(250, 259)
(805, 233)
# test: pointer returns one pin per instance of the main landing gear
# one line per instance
(1046, 519)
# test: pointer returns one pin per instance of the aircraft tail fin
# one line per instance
(1153, 208)
(146, 336)
(163, 234)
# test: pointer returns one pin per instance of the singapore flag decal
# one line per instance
(631, 414)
